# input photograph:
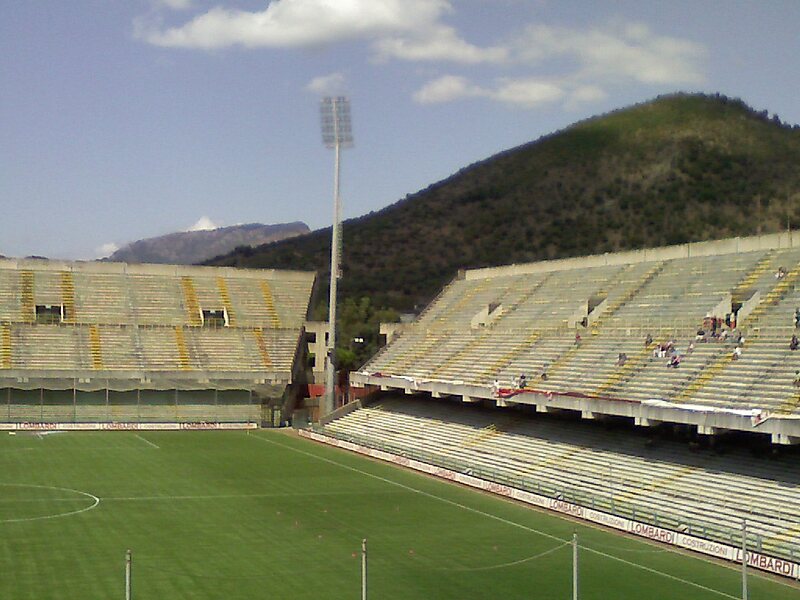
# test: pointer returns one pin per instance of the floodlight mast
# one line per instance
(337, 134)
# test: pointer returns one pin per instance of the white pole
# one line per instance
(744, 559)
(574, 566)
(330, 380)
(128, 581)
(364, 569)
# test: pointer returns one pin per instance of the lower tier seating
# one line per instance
(618, 471)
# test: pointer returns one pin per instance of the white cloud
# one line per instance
(204, 224)
(524, 92)
(174, 4)
(527, 92)
(442, 43)
(447, 89)
(327, 85)
(105, 250)
(301, 23)
(623, 50)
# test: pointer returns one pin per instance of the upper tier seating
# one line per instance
(94, 319)
(495, 324)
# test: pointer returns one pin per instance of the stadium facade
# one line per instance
(84, 344)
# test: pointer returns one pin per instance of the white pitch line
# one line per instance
(226, 496)
(95, 503)
(148, 442)
(497, 518)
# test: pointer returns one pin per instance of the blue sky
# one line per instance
(124, 119)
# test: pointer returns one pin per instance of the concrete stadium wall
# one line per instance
(36, 264)
(772, 241)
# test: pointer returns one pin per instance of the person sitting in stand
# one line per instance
(794, 344)
(780, 273)
(577, 338)
(701, 335)
(737, 353)
(690, 349)
(797, 378)
(622, 358)
(543, 376)
(523, 382)
(648, 340)
(675, 361)
(797, 318)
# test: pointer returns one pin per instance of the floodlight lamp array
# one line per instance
(337, 129)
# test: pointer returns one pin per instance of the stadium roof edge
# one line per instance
(42, 264)
(772, 241)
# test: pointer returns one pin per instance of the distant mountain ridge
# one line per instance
(680, 168)
(191, 247)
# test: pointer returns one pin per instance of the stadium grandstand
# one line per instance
(575, 384)
(88, 343)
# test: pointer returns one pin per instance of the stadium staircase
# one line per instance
(193, 313)
(262, 348)
(68, 297)
(27, 303)
(269, 303)
(626, 371)
(183, 349)
(626, 296)
(226, 301)
(5, 346)
(95, 346)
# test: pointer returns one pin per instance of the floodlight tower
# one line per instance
(337, 133)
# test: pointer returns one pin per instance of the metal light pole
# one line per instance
(337, 133)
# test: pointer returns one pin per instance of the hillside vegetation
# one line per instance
(676, 169)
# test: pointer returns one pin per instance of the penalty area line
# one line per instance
(497, 518)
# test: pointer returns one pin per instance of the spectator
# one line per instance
(780, 273)
(794, 343)
(737, 353)
(797, 378)
(543, 376)
(797, 317)
(690, 349)
(523, 382)
(648, 340)
(622, 358)
(578, 338)
(496, 387)
(675, 361)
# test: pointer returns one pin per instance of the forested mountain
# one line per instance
(676, 169)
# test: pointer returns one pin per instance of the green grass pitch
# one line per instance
(213, 515)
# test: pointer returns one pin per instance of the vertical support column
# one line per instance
(74, 401)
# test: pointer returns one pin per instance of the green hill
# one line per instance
(679, 168)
